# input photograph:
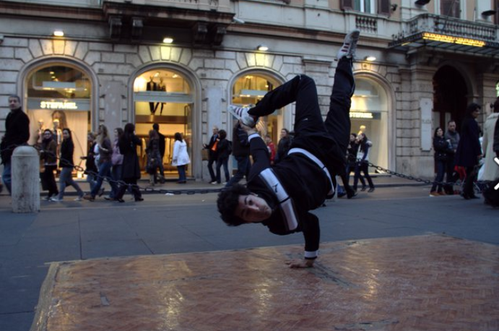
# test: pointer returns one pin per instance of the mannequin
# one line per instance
(161, 87)
(152, 86)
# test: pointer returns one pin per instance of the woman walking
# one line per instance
(66, 165)
(441, 146)
(180, 157)
(104, 163)
(117, 162)
(153, 156)
(90, 165)
(363, 162)
(130, 168)
(48, 155)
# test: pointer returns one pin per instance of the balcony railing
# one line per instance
(448, 26)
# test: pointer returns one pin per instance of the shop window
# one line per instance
(367, 6)
(369, 115)
(164, 97)
(59, 97)
(248, 90)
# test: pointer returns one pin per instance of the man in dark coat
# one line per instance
(469, 151)
(241, 152)
(162, 148)
(213, 154)
(16, 134)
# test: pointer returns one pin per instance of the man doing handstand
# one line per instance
(280, 197)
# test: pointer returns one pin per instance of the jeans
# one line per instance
(212, 159)
(65, 179)
(7, 176)
(181, 173)
(439, 177)
(104, 172)
(243, 168)
(225, 163)
(91, 179)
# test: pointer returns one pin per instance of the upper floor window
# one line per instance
(367, 6)
(450, 8)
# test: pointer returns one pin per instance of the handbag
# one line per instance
(205, 154)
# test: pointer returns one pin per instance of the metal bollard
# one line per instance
(25, 180)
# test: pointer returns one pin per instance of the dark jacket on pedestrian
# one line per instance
(223, 151)
(128, 147)
(49, 152)
(90, 166)
(105, 155)
(441, 148)
(495, 147)
(16, 133)
(240, 144)
(67, 150)
(469, 147)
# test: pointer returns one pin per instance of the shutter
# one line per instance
(384, 7)
(346, 4)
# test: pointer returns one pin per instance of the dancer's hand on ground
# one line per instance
(297, 264)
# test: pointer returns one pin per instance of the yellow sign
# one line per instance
(453, 40)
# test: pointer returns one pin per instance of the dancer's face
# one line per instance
(253, 209)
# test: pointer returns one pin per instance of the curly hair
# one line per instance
(228, 201)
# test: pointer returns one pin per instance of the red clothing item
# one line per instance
(271, 148)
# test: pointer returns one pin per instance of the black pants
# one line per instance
(48, 180)
(328, 140)
(134, 188)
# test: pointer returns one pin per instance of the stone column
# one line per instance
(25, 180)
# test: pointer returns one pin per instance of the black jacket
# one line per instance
(240, 144)
(16, 133)
(67, 149)
(441, 148)
(495, 147)
(128, 147)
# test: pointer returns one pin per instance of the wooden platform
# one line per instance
(412, 283)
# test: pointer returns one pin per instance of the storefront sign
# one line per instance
(365, 115)
(58, 105)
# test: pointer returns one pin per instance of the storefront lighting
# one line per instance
(370, 58)
(168, 40)
(262, 48)
(453, 40)
(59, 33)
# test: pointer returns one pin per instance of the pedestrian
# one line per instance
(241, 152)
(363, 163)
(271, 148)
(153, 156)
(213, 154)
(223, 152)
(48, 155)
(104, 165)
(452, 137)
(162, 149)
(281, 197)
(469, 151)
(441, 147)
(16, 134)
(90, 163)
(130, 168)
(66, 164)
(283, 145)
(180, 157)
(490, 134)
(117, 164)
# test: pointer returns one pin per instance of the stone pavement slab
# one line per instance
(427, 282)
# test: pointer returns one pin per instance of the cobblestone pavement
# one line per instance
(430, 282)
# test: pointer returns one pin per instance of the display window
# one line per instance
(369, 115)
(59, 97)
(248, 90)
(164, 97)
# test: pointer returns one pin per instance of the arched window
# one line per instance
(163, 96)
(369, 114)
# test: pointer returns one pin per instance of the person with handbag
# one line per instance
(180, 157)
(213, 154)
(153, 156)
(128, 143)
(48, 156)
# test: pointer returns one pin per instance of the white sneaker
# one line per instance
(241, 113)
(55, 199)
(349, 45)
(79, 199)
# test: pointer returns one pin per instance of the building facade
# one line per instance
(180, 63)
